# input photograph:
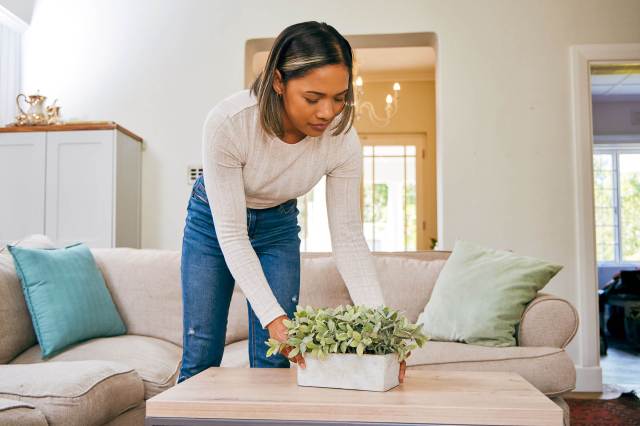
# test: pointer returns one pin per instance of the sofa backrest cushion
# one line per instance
(16, 329)
(406, 279)
(145, 286)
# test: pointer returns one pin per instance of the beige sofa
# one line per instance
(107, 380)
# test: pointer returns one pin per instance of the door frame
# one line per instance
(589, 377)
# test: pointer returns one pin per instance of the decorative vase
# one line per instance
(351, 371)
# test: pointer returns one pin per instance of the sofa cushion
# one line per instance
(16, 330)
(322, 286)
(133, 417)
(238, 318)
(18, 413)
(145, 286)
(67, 297)
(548, 369)
(551, 370)
(156, 361)
(415, 278)
(236, 355)
(73, 393)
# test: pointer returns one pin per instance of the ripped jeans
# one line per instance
(207, 283)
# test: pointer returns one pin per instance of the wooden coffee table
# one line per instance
(270, 396)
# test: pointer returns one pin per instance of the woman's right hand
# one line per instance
(279, 332)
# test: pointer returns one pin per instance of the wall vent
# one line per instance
(193, 172)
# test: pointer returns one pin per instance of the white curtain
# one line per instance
(10, 68)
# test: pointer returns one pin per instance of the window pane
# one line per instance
(367, 208)
(411, 150)
(389, 203)
(411, 213)
(302, 221)
(605, 252)
(630, 206)
(604, 200)
(317, 237)
(380, 150)
(367, 150)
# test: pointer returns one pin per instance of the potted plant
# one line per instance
(350, 347)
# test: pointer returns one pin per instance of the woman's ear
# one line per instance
(278, 86)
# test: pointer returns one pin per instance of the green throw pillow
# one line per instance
(480, 295)
(67, 297)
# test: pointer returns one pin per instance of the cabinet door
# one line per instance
(79, 188)
(22, 161)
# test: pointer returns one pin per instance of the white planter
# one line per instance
(351, 371)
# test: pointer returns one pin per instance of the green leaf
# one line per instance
(360, 349)
(342, 336)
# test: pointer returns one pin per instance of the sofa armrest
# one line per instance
(548, 321)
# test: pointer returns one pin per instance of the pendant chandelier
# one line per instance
(390, 109)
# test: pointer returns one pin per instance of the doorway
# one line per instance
(615, 94)
(583, 58)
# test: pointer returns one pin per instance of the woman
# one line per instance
(263, 148)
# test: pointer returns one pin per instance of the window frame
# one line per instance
(615, 145)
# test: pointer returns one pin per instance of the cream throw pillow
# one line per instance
(481, 293)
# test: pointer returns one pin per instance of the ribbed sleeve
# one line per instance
(351, 253)
(222, 170)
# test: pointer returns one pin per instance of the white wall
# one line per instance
(21, 8)
(502, 93)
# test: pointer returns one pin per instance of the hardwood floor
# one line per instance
(620, 372)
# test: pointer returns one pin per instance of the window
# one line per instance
(11, 29)
(391, 210)
(616, 173)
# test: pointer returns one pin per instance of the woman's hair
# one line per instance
(298, 49)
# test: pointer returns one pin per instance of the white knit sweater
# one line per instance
(244, 167)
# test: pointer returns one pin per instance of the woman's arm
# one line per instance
(222, 170)
(353, 258)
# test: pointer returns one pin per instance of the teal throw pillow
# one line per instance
(481, 293)
(67, 297)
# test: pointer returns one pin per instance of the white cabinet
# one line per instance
(74, 183)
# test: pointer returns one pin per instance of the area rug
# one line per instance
(622, 411)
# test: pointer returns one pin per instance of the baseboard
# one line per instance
(588, 379)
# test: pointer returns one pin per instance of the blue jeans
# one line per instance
(207, 283)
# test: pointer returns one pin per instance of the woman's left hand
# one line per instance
(403, 368)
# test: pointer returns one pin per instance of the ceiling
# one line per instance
(615, 82)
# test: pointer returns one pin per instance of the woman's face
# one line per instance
(311, 102)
